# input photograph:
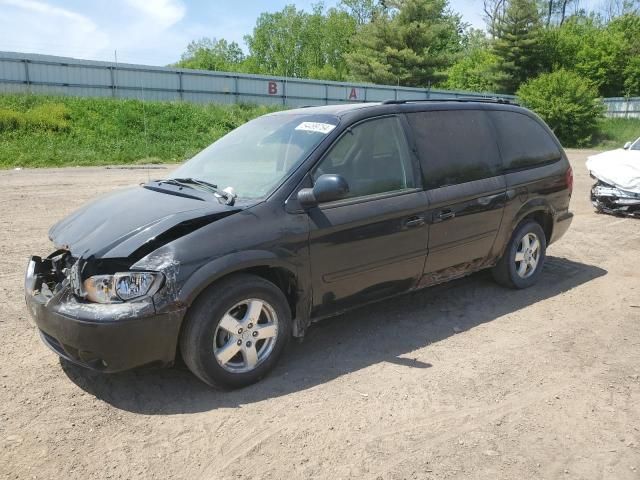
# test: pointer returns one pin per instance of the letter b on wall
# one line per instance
(272, 88)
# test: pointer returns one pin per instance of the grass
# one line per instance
(44, 131)
(615, 132)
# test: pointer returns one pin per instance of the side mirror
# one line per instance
(627, 145)
(327, 188)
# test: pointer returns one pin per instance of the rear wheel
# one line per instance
(235, 331)
(522, 261)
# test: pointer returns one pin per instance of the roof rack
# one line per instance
(499, 100)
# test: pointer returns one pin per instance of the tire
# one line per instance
(512, 273)
(221, 322)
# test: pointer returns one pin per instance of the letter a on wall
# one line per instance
(353, 95)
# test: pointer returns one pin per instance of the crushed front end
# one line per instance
(93, 316)
(610, 199)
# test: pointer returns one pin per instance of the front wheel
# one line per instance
(235, 331)
(522, 261)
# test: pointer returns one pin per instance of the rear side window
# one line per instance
(455, 146)
(523, 141)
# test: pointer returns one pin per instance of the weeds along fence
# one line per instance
(31, 73)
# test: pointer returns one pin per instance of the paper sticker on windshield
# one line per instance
(316, 127)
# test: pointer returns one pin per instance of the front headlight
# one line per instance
(122, 286)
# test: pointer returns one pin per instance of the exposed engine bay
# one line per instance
(610, 199)
(617, 175)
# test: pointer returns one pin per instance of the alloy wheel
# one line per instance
(527, 255)
(245, 336)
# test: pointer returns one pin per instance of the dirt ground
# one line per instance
(465, 380)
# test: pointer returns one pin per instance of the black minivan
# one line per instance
(293, 217)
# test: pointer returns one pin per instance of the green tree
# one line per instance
(362, 11)
(606, 53)
(569, 104)
(294, 43)
(275, 46)
(518, 44)
(212, 54)
(632, 78)
(410, 43)
(475, 68)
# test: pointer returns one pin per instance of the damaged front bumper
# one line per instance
(104, 337)
(610, 199)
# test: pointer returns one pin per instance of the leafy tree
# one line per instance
(632, 78)
(276, 43)
(212, 54)
(518, 44)
(294, 43)
(474, 70)
(567, 102)
(626, 29)
(363, 11)
(605, 53)
(410, 43)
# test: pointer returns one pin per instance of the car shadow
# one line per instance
(340, 345)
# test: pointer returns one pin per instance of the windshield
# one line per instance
(636, 145)
(254, 158)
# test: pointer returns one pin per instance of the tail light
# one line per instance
(568, 180)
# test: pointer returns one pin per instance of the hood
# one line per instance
(620, 168)
(120, 224)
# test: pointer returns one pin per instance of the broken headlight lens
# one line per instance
(121, 286)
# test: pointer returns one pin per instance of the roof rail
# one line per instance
(499, 100)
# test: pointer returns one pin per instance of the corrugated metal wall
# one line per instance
(21, 72)
(621, 107)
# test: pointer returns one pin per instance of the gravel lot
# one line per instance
(464, 380)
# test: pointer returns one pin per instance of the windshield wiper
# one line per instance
(229, 198)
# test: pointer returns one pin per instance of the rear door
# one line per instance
(466, 191)
(534, 166)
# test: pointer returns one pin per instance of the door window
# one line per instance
(523, 141)
(455, 146)
(373, 157)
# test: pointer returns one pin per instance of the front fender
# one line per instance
(227, 264)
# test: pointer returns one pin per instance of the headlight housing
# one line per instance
(122, 286)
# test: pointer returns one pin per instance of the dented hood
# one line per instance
(120, 224)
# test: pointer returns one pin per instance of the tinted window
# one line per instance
(523, 141)
(455, 146)
(373, 157)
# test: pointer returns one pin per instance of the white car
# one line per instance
(617, 190)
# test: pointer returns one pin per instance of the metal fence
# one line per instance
(622, 107)
(30, 73)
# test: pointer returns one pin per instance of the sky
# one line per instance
(152, 32)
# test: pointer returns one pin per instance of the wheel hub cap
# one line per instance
(245, 336)
(527, 255)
